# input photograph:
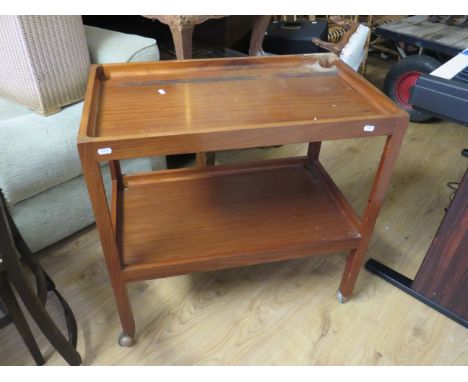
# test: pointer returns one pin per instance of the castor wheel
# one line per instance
(126, 340)
(341, 299)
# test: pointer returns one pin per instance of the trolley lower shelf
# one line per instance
(201, 219)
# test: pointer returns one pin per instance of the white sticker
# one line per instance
(161, 91)
(369, 128)
(104, 151)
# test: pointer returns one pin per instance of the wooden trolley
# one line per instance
(175, 222)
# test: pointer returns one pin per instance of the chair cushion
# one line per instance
(10, 109)
(107, 46)
(38, 153)
(64, 209)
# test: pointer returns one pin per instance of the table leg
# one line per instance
(356, 256)
(182, 37)
(313, 151)
(116, 172)
(258, 33)
(205, 159)
(182, 34)
(117, 186)
(97, 194)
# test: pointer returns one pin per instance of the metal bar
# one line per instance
(404, 283)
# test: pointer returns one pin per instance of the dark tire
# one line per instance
(400, 81)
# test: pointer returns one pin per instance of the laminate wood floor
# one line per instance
(284, 313)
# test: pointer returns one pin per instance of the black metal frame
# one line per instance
(15, 254)
(404, 283)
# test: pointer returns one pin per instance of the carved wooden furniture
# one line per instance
(14, 253)
(442, 279)
(182, 27)
(174, 222)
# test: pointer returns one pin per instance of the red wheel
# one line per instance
(401, 79)
(403, 87)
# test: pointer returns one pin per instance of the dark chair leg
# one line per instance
(32, 301)
(14, 311)
(44, 321)
(29, 259)
(70, 320)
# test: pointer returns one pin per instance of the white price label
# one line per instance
(105, 151)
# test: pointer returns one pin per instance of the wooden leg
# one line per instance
(97, 194)
(205, 159)
(182, 37)
(355, 258)
(14, 311)
(313, 151)
(116, 172)
(127, 338)
(258, 33)
(117, 187)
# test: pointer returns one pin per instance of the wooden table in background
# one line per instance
(182, 27)
(174, 222)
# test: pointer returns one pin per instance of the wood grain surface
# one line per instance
(228, 216)
(443, 275)
(206, 105)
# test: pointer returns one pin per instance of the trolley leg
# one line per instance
(127, 337)
(356, 257)
(97, 194)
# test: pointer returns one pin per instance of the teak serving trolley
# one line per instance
(174, 222)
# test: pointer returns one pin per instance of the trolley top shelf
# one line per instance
(251, 97)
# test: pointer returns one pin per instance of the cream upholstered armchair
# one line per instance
(43, 72)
